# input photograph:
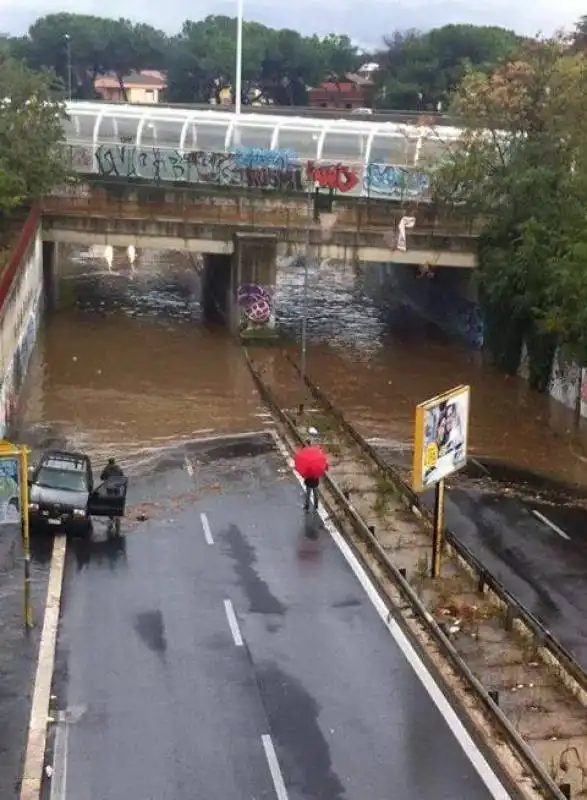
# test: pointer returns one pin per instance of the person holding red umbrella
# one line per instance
(311, 463)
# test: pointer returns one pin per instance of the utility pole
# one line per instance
(304, 357)
(68, 45)
(239, 57)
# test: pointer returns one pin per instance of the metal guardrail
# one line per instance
(486, 579)
(536, 770)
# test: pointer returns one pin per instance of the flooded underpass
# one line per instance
(128, 364)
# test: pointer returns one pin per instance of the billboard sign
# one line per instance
(441, 437)
(9, 489)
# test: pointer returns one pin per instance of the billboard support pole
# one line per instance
(26, 542)
(438, 528)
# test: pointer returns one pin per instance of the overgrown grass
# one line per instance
(385, 493)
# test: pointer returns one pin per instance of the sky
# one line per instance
(366, 21)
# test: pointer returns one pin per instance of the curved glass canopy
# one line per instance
(304, 138)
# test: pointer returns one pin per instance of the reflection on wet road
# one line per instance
(230, 664)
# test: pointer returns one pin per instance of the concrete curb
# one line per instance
(32, 776)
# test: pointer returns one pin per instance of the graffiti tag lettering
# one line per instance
(213, 168)
(252, 157)
(267, 178)
(332, 176)
(395, 183)
(128, 161)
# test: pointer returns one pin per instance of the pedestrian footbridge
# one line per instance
(355, 158)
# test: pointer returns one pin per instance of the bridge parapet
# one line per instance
(174, 218)
(228, 207)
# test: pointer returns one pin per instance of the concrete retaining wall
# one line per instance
(21, 289)
(21, 292)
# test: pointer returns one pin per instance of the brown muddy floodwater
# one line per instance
(127, 366)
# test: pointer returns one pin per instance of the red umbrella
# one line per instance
(311, 462)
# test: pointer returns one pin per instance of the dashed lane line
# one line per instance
(233, 623)
(274, 768)
(206, 526)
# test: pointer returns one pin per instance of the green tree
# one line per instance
(522, 166)
(421, 70)
(280, 64)
(97, 46)
(31, 133)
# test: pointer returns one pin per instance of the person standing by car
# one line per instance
(112, 470)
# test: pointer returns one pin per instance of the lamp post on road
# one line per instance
(239, 57)
(307, 258)
(304, 354)
(68, 45)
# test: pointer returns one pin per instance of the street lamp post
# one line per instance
(304, 357)
(239, 57)
(68, 45)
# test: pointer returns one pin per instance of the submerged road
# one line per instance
(225, 648)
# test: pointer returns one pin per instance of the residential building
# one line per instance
(145, 86)
(353, 92)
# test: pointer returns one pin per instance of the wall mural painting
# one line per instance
(257, 307)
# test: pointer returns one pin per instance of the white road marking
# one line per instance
(274, 768)
(551, 525)
(463, 737)
(32, 774)
(206, 527)
(233, 623)
(60, 754)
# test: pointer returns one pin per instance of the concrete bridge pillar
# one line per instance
(254, 278)
(216, 287)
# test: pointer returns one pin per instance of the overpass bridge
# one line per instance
(385, 160)
(243, 189)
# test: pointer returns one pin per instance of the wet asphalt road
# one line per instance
(542, 565)
(533, 540)
(168, 695)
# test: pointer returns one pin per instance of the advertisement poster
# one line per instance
(442, 428)
(9, 490)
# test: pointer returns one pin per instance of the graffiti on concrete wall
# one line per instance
(395, 183)
(256, 168)
(257, 306)
(332, 176)
(218, 169)
(224, 169)
(128, 161)
(254, 157)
